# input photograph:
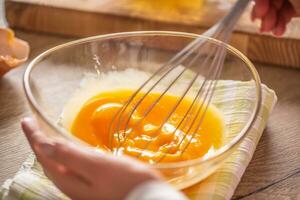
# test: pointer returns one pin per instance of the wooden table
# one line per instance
(274, 172)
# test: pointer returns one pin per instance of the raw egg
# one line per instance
(168, 130)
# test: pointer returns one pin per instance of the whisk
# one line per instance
(213, 64)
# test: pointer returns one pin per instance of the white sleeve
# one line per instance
(155, 190)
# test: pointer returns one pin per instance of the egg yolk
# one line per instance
(140, 131)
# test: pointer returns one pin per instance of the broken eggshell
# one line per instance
(13, 51)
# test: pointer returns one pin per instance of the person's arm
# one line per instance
(85, 174)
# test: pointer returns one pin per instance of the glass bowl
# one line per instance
(53, 76)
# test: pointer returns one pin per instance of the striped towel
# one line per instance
(234, 98)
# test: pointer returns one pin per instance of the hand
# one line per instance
(275, 14)
(84, 174)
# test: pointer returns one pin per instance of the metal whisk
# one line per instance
(213, 63)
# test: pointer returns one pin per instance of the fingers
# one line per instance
(287, 11)
(285, 15)
(269, 20)
(277, 4)
(35, 137)
(90, 164)
(260, 9)
(274, 15)
(266, 11)
(48, 151)
(280, 27)
(66, 154)
(32, 132)
(75, 159)
(68, 182)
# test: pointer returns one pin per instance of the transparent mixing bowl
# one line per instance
(52, 77)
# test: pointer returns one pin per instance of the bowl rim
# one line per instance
(221, 151)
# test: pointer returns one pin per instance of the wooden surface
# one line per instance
(105, 16)
(274, 172)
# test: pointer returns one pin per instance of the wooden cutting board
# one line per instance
(93, 17)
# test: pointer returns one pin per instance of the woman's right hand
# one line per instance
(275, 14)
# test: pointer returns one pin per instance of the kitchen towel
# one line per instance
(232, 97)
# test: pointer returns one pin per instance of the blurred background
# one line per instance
(81, 18)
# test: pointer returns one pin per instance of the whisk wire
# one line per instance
(209, 96)
(221, 31)
(178, 102)
(165, 91)
(125, 136)
(190, 48)
(193, 46)
(122, 110)
(191, 109)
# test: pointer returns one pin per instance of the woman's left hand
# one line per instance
(85, 174)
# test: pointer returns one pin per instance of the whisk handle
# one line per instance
(223, 29)
(234, 14)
